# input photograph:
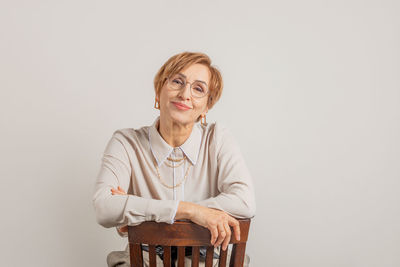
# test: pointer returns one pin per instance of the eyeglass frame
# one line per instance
(191, 85)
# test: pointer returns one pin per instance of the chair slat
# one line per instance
(222, 257)
(238, 254)
(152, 256)
(167, 256)
(136, 255)
(181, 256)
(232, 259)
(195, 256)
(209, 256)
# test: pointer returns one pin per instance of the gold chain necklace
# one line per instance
(166, 185)
(174, 166)
(176, 160)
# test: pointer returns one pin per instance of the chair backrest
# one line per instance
(183, 234)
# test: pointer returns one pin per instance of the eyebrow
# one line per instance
(184, 76)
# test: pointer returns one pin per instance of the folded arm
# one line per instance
(235, 200)
(236, 197)
(115, 210)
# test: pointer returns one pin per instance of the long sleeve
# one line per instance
(235, 184)
(115, 210)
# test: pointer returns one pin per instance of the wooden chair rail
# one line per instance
(183, 234)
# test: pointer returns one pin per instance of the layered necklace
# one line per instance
(180, 161)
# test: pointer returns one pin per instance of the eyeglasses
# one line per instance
(198, 89)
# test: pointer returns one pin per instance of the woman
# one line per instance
(176, 168)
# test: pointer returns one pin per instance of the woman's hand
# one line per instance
(120, 191)
(217, 221)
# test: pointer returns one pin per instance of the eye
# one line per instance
(177, 81)
(199, 89)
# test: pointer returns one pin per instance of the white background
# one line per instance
(312, 94)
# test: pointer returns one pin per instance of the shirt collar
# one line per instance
(161, 149)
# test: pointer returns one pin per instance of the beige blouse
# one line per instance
(217, 176)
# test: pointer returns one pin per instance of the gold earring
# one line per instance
(156, 104)
(203, 122)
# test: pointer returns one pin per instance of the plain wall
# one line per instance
(312, 94)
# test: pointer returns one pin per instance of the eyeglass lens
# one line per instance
(198, 89)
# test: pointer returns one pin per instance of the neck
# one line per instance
(173, 133)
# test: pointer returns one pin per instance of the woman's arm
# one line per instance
(217, 221)
(115, 210)
(236, 197)
(235, 184)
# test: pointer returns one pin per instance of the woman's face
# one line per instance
(180, 106)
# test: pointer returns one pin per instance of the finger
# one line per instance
(214, 234)
(228, 236)
(221, 234)
(122, 229)
(122, 190)
(116, 192)
(236, 228)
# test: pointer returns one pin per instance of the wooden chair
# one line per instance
(183, 234)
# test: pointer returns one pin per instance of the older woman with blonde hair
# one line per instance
(178, 168)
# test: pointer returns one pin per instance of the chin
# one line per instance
(182, 118)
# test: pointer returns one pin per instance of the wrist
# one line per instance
(185, 210)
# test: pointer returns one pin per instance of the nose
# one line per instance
(185, 91)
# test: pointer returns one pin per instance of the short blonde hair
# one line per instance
(179, 62)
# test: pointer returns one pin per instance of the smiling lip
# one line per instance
(181, 106)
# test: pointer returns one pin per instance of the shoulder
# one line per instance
(131, 137)
(129, 133)
(217, 128)
(217, 133)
